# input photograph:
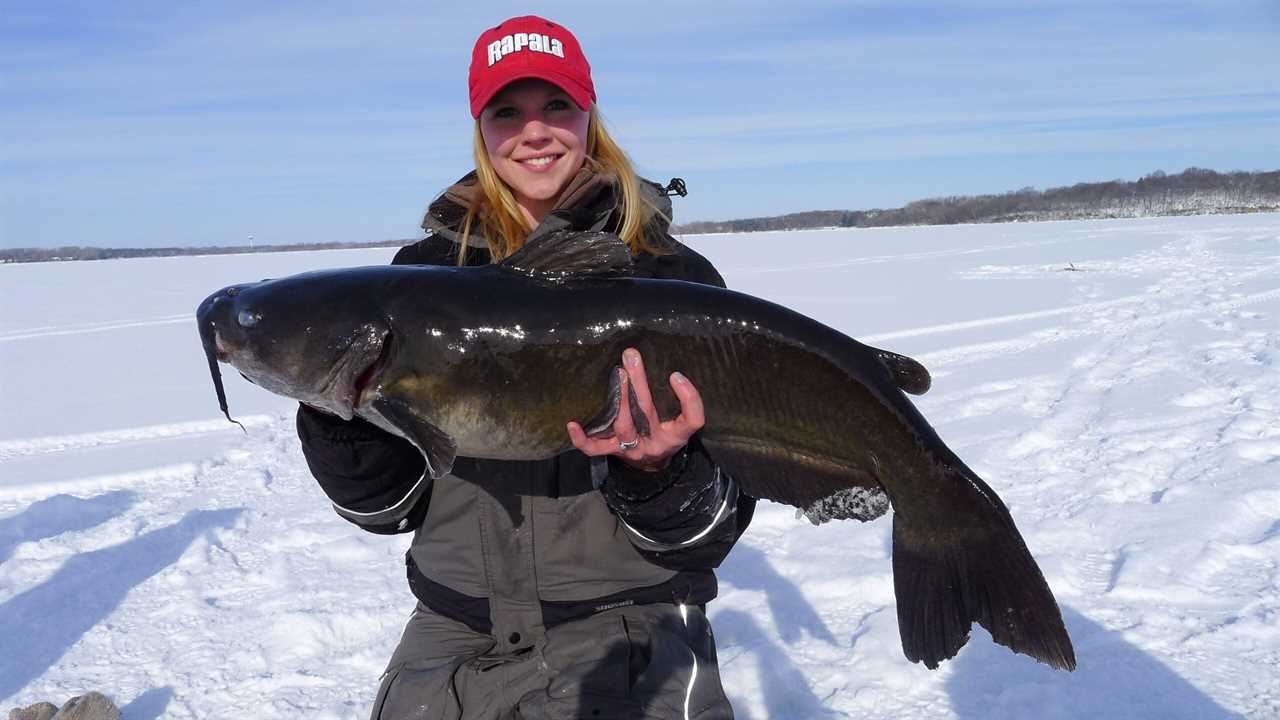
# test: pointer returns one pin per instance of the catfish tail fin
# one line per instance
(983, 573)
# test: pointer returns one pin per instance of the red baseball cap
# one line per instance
(528, 47)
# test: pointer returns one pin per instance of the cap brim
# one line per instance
(581, 96)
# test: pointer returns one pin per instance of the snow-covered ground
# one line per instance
(1127, 412)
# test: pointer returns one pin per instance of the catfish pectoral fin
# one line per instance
(602, 423)
(947, 578)
(820, 487)
(638, 418)
(436, 447)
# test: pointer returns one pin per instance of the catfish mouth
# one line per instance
(367, 381)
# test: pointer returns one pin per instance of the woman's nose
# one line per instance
(535, 132)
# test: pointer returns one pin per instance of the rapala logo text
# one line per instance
(516, 42)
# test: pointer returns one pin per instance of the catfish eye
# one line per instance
(248, 318)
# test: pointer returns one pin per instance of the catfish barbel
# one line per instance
(491, 362)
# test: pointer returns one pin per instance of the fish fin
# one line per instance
(566, 255)
(947, 578)
(436, 447)
(602, 423)
(823, 489)
(638, 418)
(908, 373)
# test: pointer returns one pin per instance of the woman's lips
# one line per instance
(540, 164)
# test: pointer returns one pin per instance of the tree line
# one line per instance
(1194, 191)
(77, 252)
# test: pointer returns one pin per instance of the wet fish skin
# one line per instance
(492, 361)
(305, 346)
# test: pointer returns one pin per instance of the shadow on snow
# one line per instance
(1114, 679)
(41, 624)
(150, 705)
(747, 568)
(60, 514)
(786, 691)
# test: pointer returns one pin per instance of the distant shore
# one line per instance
(63, 254)
(1194, 191)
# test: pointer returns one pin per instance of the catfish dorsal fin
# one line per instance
(565, 255)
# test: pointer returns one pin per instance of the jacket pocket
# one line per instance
(674, 662)
(588, 657)
(637, 662)
(411, 692)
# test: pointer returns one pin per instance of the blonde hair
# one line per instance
(497, 215)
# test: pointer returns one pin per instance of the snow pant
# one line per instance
(644, 661)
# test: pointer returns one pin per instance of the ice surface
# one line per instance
(1128, 411)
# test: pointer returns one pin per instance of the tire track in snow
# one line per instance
(878, 259)
(1033, 340)
(1004, 319)
(1053, 312)
(166, 476)
(82, 328)
(10, 449)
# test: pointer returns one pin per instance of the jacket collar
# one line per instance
(587, 203)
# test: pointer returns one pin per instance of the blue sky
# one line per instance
(182, 123)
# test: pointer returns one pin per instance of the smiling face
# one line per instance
(536, 140)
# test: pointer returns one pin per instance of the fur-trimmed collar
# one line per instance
(588, 200)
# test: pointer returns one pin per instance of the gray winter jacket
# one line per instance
(513, 547)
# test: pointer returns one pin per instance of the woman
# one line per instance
(569, 587)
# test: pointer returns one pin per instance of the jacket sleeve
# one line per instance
(373, 478)
(688, 515)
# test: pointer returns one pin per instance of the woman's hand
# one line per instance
(665, 439)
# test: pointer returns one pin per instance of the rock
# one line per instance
(39, 711)
(90, 706)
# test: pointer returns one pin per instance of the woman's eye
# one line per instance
(557, 104)
(504, 112)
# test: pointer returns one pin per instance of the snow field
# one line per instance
(1128, 413)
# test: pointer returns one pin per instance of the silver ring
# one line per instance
(628, 445)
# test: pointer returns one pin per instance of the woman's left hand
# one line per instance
(655, 450)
